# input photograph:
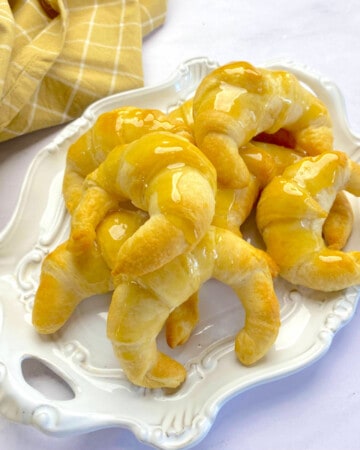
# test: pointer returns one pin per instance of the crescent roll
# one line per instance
(291, 214)
(117, 127)
(141, 306)
(238, 101)
(162, 174)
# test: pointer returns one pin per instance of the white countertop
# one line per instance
(318, 407)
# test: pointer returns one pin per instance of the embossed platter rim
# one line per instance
(101, 396)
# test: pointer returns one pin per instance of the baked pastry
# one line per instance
(117, 127)
(162, 174)
(141, 306)
(66, 279)
(290, 216)
(237, 102)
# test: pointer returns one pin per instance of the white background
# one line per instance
(319, 407)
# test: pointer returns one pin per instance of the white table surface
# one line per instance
(319, 407)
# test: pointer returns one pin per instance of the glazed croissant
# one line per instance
(238, 101)
(67, 279)
(162, 174)
(117, 127)
(290, 216)
(266, 160)
(141, 305)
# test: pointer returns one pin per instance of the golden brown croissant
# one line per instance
(238, 101)
(67, 279)
(117, 127)
(266, 161)
(141, 305)
(290, 216)
(160, 173)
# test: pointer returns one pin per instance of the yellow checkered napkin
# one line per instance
(59, 56)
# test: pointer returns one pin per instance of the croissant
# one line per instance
(238, 101)
(66, 279)
(266, 161)
(162, 174)
(117, 127)
(290, 216)
(182, 321)
(140, 306)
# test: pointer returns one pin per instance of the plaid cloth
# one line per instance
(59, 56)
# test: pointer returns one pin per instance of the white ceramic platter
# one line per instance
(80, 356)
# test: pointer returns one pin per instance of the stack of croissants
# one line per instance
(157, 201)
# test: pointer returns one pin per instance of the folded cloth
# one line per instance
(59, 56)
